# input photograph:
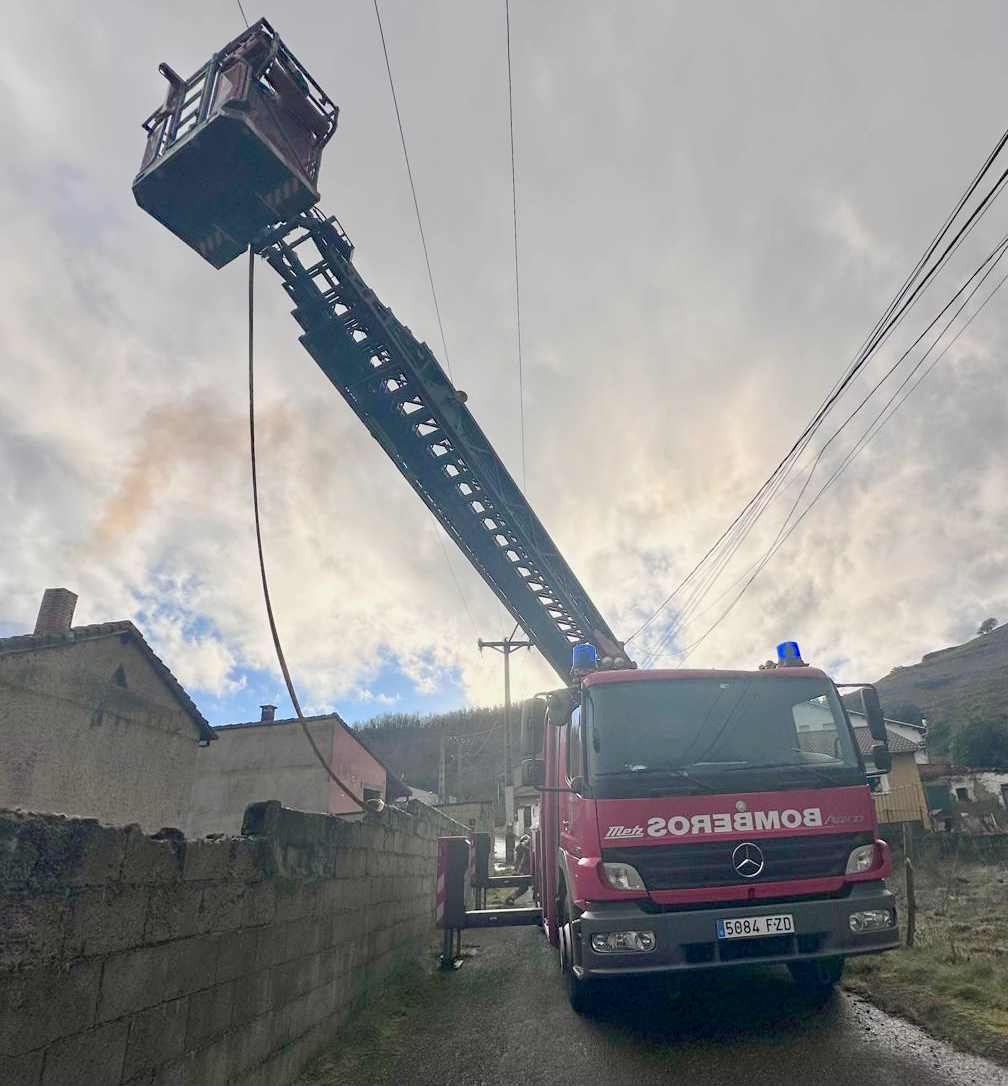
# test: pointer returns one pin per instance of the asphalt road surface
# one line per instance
(503, 1018)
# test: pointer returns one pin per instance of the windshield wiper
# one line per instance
(815, 770)
(661, 771)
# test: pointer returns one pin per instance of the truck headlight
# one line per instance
(861, 859)
(622, 877)
(623, 942)
(872, 920)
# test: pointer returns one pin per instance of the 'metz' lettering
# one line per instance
(766, 820)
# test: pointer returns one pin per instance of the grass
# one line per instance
(954, 981)
(378, 1035)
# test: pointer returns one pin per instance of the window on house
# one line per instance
(962, 794)
(371, 793)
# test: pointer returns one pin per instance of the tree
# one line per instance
(982, 743)
(987, 625)
(907, 712)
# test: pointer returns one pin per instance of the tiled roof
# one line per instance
(126, 629)
(898, 744)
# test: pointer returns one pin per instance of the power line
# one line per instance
(996, 254)
(430, 279)
(243, 15)
(514, 214)
(872, 431)
(262, 562)
(891, 317)
(416, 202)
(458, 584)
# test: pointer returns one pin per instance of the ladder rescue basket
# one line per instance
(235, 148)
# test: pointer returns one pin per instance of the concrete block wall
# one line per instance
(171, 962)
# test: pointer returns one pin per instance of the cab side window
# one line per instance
(575, 759)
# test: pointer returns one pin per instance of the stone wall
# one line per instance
(131, 959)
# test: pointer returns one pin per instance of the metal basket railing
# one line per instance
(188, 102)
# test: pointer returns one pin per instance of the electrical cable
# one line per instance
(416, 202)
(430, 279)
(869, 434)
(514, 215)
(458, 584)
(243, 15)
(687, 611)
(995, 255)
(882, 328)
(262, 562)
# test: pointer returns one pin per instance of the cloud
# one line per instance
(712, 211)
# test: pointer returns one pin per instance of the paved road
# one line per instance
(503, 1019)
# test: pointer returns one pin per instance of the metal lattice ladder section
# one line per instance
(398, 389)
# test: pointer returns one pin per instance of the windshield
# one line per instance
(701, 726)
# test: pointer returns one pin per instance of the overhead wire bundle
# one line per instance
(692, 591)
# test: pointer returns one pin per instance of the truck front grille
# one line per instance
(684, 866)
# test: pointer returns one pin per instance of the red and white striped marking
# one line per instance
(440, 895)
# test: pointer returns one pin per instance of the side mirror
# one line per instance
(873, 714)
(533, 773)
(882, 758)
(533, 722)
(560, 707)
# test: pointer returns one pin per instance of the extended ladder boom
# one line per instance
(399, 390)
(234, 150)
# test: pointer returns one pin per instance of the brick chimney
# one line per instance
(268, 714)
(56, 612)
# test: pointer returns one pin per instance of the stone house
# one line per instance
(270, 759)
(968, 797)
(899, 794)
(93, 724)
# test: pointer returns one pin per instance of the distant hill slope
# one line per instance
(950, 687)
(410, 745)
(953, 686)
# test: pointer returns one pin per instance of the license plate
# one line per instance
(753, 927)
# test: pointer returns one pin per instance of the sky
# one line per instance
(715, 204)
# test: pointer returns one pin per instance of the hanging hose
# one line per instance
(262, 562)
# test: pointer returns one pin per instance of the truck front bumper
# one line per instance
(687, 939)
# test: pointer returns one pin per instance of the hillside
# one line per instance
(952, 686)
(410, 745)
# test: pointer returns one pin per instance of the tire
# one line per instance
(817, 979)
(580, 992)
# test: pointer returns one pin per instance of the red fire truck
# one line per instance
(689, 819)
(703, 819)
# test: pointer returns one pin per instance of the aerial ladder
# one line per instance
(231, 163)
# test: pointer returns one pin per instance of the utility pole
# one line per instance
(506, 647)
(459, 742)
(442, 783)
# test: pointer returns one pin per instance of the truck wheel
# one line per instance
(580, 992)
(817, 978)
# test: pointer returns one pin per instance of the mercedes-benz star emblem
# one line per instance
(747, 859)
